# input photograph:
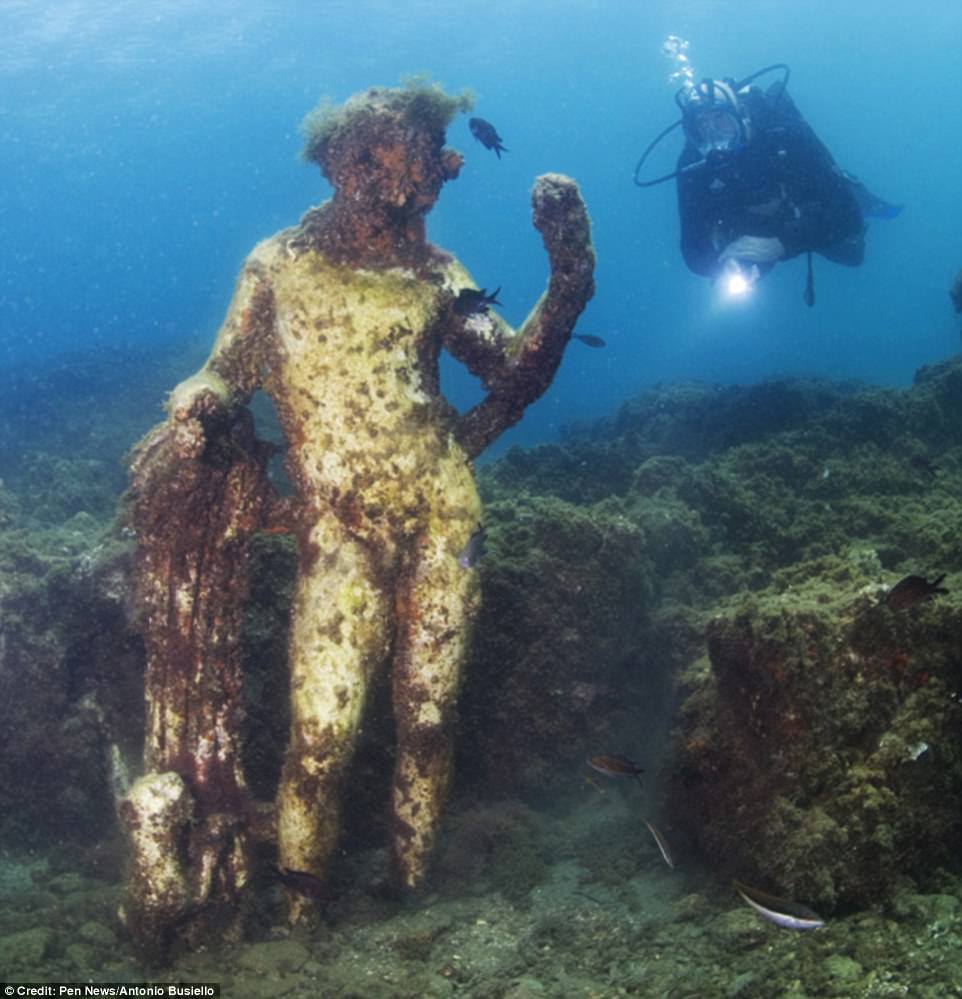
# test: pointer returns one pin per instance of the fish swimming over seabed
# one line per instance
(487, 135)
(470, 301)
(780, 911)
(662, 844)
(303, 883)
(470, 555)
(616, 765)
(590, 340)
(912, 590)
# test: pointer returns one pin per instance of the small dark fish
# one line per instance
(615, 766)
(913, 590)
(303, 883)
(922, 464)
(589, 340)
(470, 554)
(470, 301)
(780, 911)
(487, 135)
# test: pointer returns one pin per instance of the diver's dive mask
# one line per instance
(713, 139)
(712, 119)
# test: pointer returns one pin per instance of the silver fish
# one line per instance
(779, 911)
(470, 554)
(662, 845)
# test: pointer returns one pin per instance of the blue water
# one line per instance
(146, 147)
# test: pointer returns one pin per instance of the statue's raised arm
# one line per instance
(516, 368)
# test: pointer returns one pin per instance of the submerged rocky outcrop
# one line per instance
(697, 582)
(817, 745)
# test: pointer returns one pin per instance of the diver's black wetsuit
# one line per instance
(784, 183)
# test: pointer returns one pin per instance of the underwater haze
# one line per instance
(148, 146)
(688, 640)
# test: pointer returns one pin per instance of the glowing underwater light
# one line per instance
(737, 282)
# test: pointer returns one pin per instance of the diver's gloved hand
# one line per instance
(753, 250)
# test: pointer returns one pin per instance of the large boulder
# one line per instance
(819, 752)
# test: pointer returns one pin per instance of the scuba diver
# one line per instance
(756, 185)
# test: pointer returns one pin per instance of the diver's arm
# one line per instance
(531, 357)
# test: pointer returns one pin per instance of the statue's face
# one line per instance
(401, 168)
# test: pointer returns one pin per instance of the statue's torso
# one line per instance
(354, 375)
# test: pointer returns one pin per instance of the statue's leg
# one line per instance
(437, 603)
(340, 633)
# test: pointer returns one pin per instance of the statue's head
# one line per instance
(384, 147)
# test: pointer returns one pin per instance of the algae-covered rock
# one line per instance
(501, 842)
(565, 595)
(25, 950)
(822, 755)
(843, 969)
(737, 930)
(97, 935)
(273, 958)
(71, 677)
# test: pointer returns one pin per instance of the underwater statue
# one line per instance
(341, 321)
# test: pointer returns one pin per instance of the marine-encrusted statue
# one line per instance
(341, 320)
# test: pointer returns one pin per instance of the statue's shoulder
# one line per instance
(270, 253)
(287, 245)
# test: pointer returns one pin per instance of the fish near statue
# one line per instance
(487, 135)
(341, 320)
(471, 301)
